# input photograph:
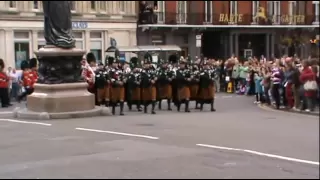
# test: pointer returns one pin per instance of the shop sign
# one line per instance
(230, 18)
(285, 18)
(79, 25)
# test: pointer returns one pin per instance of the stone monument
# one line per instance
(60, 92)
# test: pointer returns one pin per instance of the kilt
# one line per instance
(149, 93)
(183, 93)
(135, 94)
(103, 93)
(194, 88)
(117, 94)
(165, 91)
(207, 93)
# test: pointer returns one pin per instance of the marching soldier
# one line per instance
(164, 89)
(183, 78)
(148, 86)
(4, 82)
(133, 85)
(26, 80)
(102, 84)
(89, 74)
(173, 66)
(117, 86)
(194, 84)
(206, 90)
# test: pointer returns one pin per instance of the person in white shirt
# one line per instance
(15, 86)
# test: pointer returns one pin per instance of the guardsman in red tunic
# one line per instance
(26, 80)
(33, 72)
(4, 82)
(88, 74)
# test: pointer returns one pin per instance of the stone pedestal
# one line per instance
(61, 92)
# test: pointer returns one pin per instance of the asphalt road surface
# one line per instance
(240, 140)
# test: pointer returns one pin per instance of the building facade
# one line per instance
(94, 24)
(243, 28)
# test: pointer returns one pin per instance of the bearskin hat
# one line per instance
(90, 57)
(134, 60)
(110, 60)
(1, 63)
(173, 58)
(24, 65)
(33, 62)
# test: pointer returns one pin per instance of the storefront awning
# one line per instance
(169, 48)
(144, 48)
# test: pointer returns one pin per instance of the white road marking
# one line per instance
(5, 112)
(118, 133)
(26, 122)
(261, 154)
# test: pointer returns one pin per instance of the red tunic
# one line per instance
(88, 76)
(307, 75)
(26, 80)
(4, 80)
(34, 77)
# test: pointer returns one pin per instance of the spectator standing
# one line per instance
(15, 86)
(308, 80)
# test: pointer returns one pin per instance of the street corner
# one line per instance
(281, 110)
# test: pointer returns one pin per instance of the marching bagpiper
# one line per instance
(183, 78)
(148, 85)
(164, 89)
(133, 90)
(206, 89)
(102, 85)
(118, 80)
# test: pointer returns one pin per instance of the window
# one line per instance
(78, 36)
(316, 11)
(208, 11)
(12, 4)
(73, 5)
(274, 11)
(21, 47)
(96, 45)
(160, 10)
(255, 9)
(292, 11)
(182, 12)
(233, 8)
(35, 5)
(122, 6)
(93, 5)
(103, 6)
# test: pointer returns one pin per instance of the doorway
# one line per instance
(212, 44)
(184, 52)
(255, 42)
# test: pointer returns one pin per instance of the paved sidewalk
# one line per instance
(314, 113)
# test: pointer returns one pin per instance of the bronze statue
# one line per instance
(57, 24)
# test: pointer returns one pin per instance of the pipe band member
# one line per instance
(206, 86)
(102, 84)
(117, 81)
(148, 86)
(133, 90)
(183, 78)
(164, 88)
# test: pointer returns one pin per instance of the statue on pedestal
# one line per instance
(57, 24)
(59, 60)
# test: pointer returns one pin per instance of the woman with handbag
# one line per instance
(310, 87)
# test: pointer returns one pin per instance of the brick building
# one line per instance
(94, 23)
(243, 28)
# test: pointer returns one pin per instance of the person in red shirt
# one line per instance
(307, 75)
(26, 80)
(4, 82)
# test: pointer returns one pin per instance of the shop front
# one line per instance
(20, 39)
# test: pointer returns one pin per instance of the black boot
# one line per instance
(197, 105)
(201, 106)
(107, 103)
(169, 105)
(145, 108)
(139, 107)
(129, 106)
(113, 109)
(98, 104)
(121, 108)
(212, 106)
(153, 107)
(178, 106)
(159, 105)
(187, 106)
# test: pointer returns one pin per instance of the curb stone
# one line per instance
(316, 113)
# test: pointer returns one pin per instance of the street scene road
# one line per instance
(239, 140)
